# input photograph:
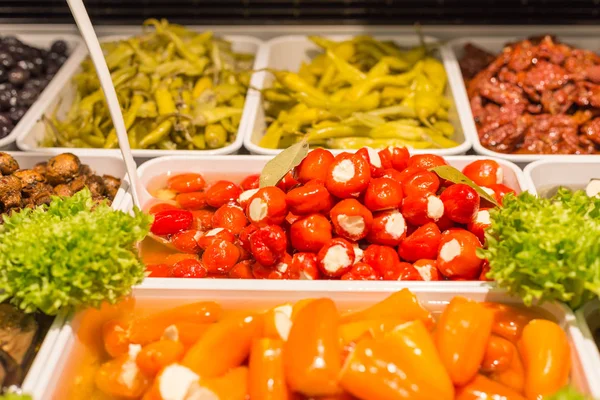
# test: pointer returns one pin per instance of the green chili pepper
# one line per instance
(445, 127)
(396, 93)
(396, 63)
(435, 72)
(164, 101)
(199, 141)
(400, 111)
(382, 68)
(335, 131)
(342, 108)
(148, 110)
(215, 136)
(119, 55)
(212, 115)
(157, 135)
(397, 130)
(272, 136)
(322, 42)
(347, 71)
(439, 140)
(296, 84)
(179, 45)
(276, 96)
(327, 77)
(129, 118)
(365, 119)
(146, 59)
(354, 143)
(368, 85)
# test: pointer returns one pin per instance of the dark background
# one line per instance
(292, 12)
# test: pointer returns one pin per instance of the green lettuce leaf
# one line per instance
(15, 396)
(73, 253)
(567, 393)
(546, 249)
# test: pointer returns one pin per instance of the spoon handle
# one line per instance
(91, 40)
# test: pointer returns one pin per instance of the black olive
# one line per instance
(5, 119)
(18, 52)
(5, 130)
(38, 61)
(52, 57)
(51, 69)
(35, 83)
(26, 97)
(18, 76)
(5, 97)
(8, 99)
(6, 60)
(26, 65)
(60, 47)
(61, 60)
(30, 66)
(16, 114)
(3, 76)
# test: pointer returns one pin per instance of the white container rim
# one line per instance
(523, 185)
(593, 161)
(35, 110)
(65, 80)
(460, 90)
(254, 148)
(121, 196)
(588, 339)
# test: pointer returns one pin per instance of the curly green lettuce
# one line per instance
(73, 253)
(546, 249)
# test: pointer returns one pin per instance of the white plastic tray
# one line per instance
(588, 319)
(110, 165)
(35, 111)
(249, 296)
(106, 164)
(288, 52)
(43, 355)
(238, 167)
(571, 170)
(454, 50)
(64, 93)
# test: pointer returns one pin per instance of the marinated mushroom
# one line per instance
(63, 175)
(77, 184)
(112, 185)
(85, 170)
(63, 190)
(29, 179)
(62, 168)
(40, 168)
(96, 185)
(10, 191)
(42, 196)
(8, 164)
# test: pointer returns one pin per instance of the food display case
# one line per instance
(69, 348)
(290, 152)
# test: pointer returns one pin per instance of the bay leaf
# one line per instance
(282, 163)
(455, 176)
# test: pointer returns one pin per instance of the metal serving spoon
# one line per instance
(139, 193)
